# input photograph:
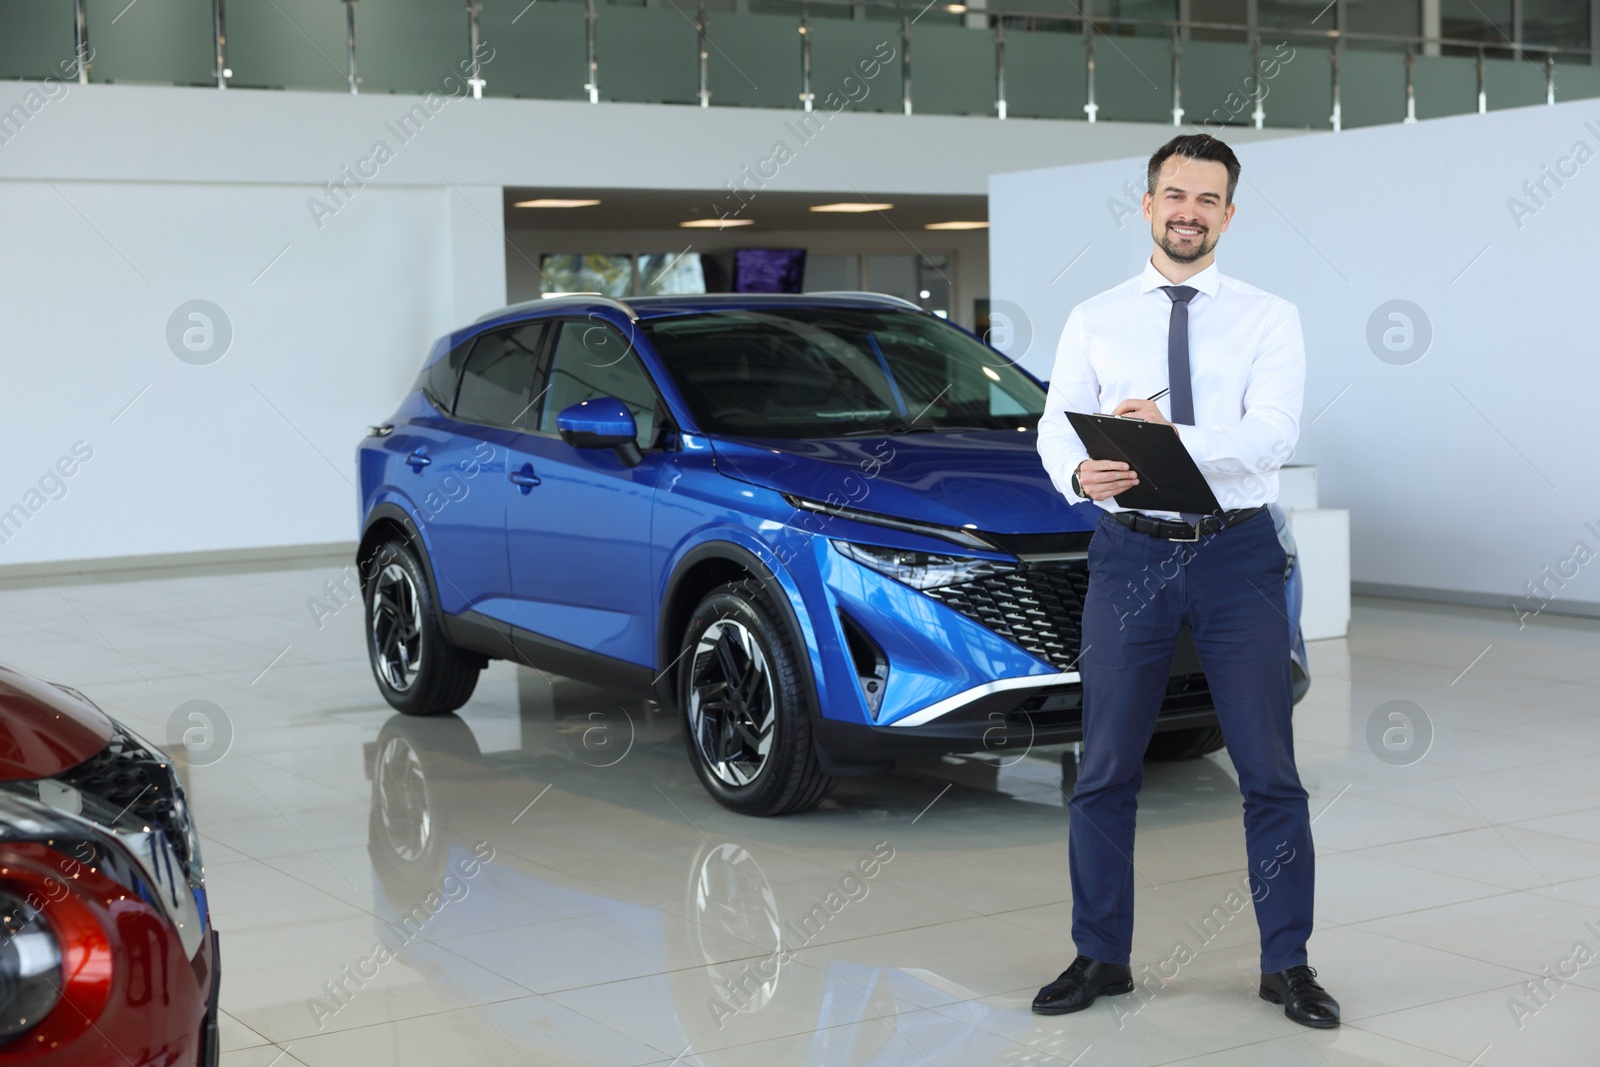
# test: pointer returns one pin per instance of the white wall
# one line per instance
(1469, 470)
(120, 203)
(256, 448)
(125, 133)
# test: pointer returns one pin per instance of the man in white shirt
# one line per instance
(1233, 359)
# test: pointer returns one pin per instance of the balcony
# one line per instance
(1284, 67)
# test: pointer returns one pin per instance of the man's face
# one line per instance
(1189, 210)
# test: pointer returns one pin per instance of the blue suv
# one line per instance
(815, 526)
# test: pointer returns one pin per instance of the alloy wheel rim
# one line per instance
(396, 626)
(732, 705)
(403, 800)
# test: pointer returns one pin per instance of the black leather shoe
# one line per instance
(1080, 984)
(1303, 1000)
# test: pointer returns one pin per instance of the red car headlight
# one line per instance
(56, 966)
(30, 967)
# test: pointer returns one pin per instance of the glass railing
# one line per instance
(1044, 61)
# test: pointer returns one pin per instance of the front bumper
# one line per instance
(1008, 716)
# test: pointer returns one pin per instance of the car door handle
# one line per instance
(418, 460)
(525, 478)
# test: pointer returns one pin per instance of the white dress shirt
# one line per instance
(1246, 361)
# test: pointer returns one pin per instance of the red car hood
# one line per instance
(45, 730)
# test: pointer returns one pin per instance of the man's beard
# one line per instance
(1178, 255)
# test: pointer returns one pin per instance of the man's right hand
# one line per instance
(1102, 478)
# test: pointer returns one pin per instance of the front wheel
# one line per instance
(419, 671)
(743, 699)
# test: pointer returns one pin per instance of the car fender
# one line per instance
(751, 553)
(390, 507)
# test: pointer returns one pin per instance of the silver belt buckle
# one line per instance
(1188, 540)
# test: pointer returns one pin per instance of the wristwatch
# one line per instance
(1077, 486)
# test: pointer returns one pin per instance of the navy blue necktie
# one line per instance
(1181, 399)
(1182, 402)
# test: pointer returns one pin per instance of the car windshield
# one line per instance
(831, 372)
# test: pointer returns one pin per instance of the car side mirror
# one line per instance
(602, 422)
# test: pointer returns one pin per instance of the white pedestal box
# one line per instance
(1323, 537)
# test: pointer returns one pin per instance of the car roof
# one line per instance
(654, 307)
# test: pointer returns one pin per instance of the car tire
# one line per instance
(1190, 743)
(419, 672)
(755, 757)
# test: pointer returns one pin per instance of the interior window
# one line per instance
(593, 359)
(497, 387)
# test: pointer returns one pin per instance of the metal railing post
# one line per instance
(1091, 108)
(1550, 79)
(219, 33)
(1337, 118)
(1177, 89)
(805, 61)
(1258, 117)
(1000, 66)
(80, 29)
(1411, 87)
(592, 86)
(905, 64)
(700, 22)
(1483, 97)
(350, 46)
(475, 80)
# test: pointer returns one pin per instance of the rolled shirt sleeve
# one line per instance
(1073, 387)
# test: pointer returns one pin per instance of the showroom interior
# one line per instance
(286, 778)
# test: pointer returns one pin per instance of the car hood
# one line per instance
(991, 479)
(45, 730)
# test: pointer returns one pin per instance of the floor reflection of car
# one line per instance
(816, 527)
(107, 955)
(437, 805)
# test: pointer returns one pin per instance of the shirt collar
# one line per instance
(1207, 281)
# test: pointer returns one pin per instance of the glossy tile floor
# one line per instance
(542, 880)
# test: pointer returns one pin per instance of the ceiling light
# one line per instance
(851, 207)
(714, 224)
(956, 226)
(549, 202)
(956, 9)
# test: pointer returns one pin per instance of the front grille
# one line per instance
(127, 785)
(1038, 606)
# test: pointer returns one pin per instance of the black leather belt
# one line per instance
(1182, 531)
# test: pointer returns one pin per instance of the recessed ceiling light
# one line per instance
(714, 224)
(956, 226)
(551, 202)
(851, 207)
(956, 9)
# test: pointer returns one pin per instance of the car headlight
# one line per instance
(921, 570)
(30, 967)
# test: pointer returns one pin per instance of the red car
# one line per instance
(107, 955)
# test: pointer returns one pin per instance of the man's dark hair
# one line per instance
(1195, 146)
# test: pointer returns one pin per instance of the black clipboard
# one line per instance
(1169, 480)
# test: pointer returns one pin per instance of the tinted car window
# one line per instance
(593, 360)
(821, 372)
(497, 387)
(438, 380)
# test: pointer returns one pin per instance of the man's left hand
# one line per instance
(1142, 409)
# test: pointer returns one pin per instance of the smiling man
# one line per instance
(1233, 359)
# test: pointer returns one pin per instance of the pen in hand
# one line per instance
(1159, 395)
